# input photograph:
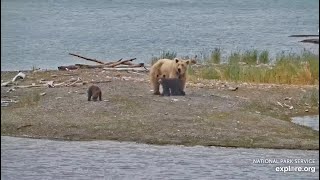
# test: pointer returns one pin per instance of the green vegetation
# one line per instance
(253, 66)
(264, 57)
(215, 57)
(164, 55)
(243, 67)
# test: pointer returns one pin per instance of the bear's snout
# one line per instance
(179, 70)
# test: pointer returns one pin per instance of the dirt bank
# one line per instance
(211, 114)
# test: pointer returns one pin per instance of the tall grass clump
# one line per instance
(235, 57)
(164, 55)
(215, 56)
(232, 72)
(250, 57)
(264, 57)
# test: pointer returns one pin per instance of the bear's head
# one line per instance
(181, 66)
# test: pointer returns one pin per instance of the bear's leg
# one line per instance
(156, 86)
(100, 98)
(89, 96)
(183, 81)
(166, 91)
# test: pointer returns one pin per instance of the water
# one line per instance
(42, 33)
(309, 121)
(23, 158)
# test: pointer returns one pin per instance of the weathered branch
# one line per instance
(94, 60)
(127, 69)
(314, 41)
(120, 62)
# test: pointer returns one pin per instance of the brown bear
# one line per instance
(94, 92)
(175, 68)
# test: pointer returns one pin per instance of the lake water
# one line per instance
(309, 121)
(42, 33)
(23, 158)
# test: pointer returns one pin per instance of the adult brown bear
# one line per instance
(175, 68)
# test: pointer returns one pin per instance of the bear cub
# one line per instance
(94, 92)
(172, 86)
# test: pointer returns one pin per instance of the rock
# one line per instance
(291, 107)
(42, 94)
(257, 112)
(287, 98)
(50, 84)
(174, 100)
(306, 110)
(232, 88)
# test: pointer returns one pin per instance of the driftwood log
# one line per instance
(115, 64)
(89, 59)
(314, 41)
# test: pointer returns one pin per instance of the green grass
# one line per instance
(264, 57)
(287, 68)
(250, 57)
(164, 55)
(216, 56)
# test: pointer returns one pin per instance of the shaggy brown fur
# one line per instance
(94, 92)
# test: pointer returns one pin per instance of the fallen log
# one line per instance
(85, 66)
(131, 66)
(127, 69)
(28, 86)
(94, 60)
(120, 62)
(67, 68)
(314, 41)
(89, 59)
(304, 35)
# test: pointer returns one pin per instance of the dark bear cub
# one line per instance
(171, 86)
(94, 92)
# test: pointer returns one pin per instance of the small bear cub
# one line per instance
(94, 92)
(171, 86)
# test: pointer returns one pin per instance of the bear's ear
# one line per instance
(188, 62)
(176, 59)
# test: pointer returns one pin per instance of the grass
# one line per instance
(243, 67)
(264, 57)
(250, 57)
(254, 66)
(216, 56)
(164, 55)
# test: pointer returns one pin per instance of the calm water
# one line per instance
(310, 121)
(23, 158)
(41, 33)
